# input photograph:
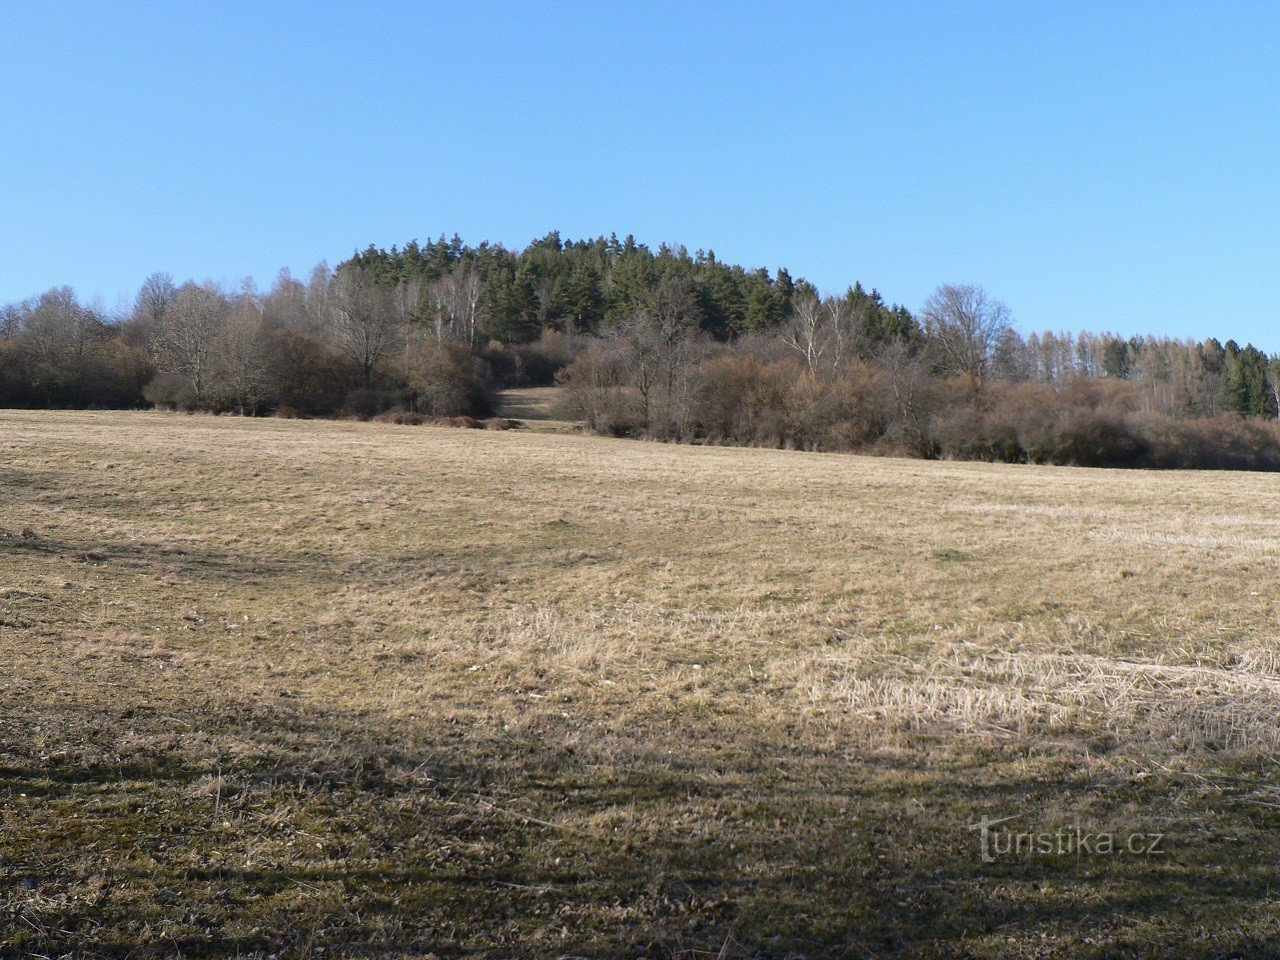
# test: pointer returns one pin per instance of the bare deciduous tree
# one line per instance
(363, 320)
(964, 325)
(11, 317)
(152, 305)
(58, 334)
(658, 341)
(242, 367)
(190, 333)
(155, 296)
(910, 401)
(457, 307)
(821, 331)
(287, 306)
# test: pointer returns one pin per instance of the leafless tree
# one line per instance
(409, 302)
(150, 308)
(241, 365)
(457, 307)
(58, 334)
(192, 327)
(318, 297)
(287, 306)
(911, 396)
(658, 342)
(964, 325)
(11, 315)
(363, 321)
(155, 296)
(821, 331)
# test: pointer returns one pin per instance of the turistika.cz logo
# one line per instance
(995, 841)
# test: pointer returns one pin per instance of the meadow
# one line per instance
(322, 688)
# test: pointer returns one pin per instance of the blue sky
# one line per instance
(1107, 166)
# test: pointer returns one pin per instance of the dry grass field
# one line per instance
(329, 689)
(534, 407)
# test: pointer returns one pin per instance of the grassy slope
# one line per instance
(277, 686)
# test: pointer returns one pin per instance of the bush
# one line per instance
(1083, 437)
(170, 391)
(970, 434)
(307, 379)
(597, 391)
(15, 378)
(740, 398)
(1033, 423)
(365, 403)
(446, 380)
(743, 397)
(1039, 433)
(1228, 442)
(837, 410)
(534, 364)
(538, 363)
(612, 411)
(116, 377)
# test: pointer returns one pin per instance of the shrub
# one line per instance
(538, 363)
(307, 379)
(1228, 442)
(836, 410)
(116, 376)
(1033, 423)
(366, 403)
(170, 391)
(1087, 437)
(970, 434)
(15, 378)
(740, 398)
(596, 391)
(446, 380)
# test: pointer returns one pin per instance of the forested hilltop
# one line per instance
(650, 343)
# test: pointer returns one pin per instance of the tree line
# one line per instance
(342, 343)
(656, 343)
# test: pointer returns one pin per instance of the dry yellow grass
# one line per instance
(310, 688)
(534, 407)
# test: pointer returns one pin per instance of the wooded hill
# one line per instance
(656, 343)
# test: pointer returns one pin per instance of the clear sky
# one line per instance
(1095, 165)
